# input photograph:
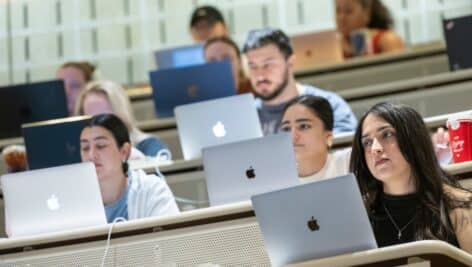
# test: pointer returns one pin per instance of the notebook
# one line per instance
(314, 220)
(174, 87)
(177, 57)
(53, 199)
(25, 103)
(236, 171)
(216, 122)
(317, 48)
(54, 142)
(458, 36)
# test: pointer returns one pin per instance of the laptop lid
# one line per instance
(174, 87)
(458, 36)
(52, 199)
(236, 171)
(177, 57)
(54, 142)
(317, 48)
(216, 122)
(31, 102)
(314, 220)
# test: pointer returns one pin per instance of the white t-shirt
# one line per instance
(336, 164)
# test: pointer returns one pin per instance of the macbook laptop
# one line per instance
(216, 122)
(458, 36)
(182, 56)
(236, 171)
(53, 199)
(317, 48)
(174, 87)
(54, 142)
(25, 103)
(314, 220)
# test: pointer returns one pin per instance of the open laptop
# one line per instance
(216, 122)
(458, 36)
(25, 103)
(54, 142)
(314, 220)
(174, 87)
(53, 199)
(177, 57)
(236, 171)
(317, 48)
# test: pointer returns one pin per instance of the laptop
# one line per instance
(317, 48)
(216, 122)
(25, 103)
(458, 36)
(236, 171)
(314, 220)
(54, 142)
(177, 57)
(53, 199)
(174, 87)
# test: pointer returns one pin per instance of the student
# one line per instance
(371, 17)
(130, 194)
(223, 48)
(206, 23)
(408, 196)
(75, 75)
(310, 121)
(109, 97)
(271, 62)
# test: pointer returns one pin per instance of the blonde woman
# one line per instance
(109, 97)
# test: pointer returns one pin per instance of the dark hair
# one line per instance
(116, 127)
(380, 17)
(262, 37)
(85, 67)
(225, 40)
(206, 13)
(415, 145)
(319, 106)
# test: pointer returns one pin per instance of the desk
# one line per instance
(439, 254)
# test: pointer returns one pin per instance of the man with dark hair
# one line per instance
(271, 61)
(206, 23)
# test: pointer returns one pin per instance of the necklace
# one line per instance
(400, 230)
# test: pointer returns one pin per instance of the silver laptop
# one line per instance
(234, 172)
(52, 199)
(216, 122)
(314, 220)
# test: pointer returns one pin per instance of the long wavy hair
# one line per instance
(415, 144)
(380, 17)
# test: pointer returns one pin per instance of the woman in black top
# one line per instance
(408, 196)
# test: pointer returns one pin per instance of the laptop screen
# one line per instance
(178, 57)
(32, 102)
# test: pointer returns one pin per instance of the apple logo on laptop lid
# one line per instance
(219, 130)
(313, 224)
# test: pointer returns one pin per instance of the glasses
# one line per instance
(384, 137)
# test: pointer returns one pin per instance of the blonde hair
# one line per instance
(119, 103)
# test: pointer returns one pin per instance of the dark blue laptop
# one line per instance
(25, 103)
(180, 86)
(54, 142)
(458, 36)
(178, 57)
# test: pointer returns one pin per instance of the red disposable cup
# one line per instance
(460, 137)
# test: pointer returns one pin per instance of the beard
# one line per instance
(278, 89)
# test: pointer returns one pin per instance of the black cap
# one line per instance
(206, 13)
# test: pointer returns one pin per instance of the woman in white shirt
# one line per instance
(310, 121)
(105, 142)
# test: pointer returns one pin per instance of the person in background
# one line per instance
(223, 48)
(369, 20)
(207, 22)
(109, 97)
(130, 194)
(75, 75)
(310, 121)
(408, 196)
(271, 62)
